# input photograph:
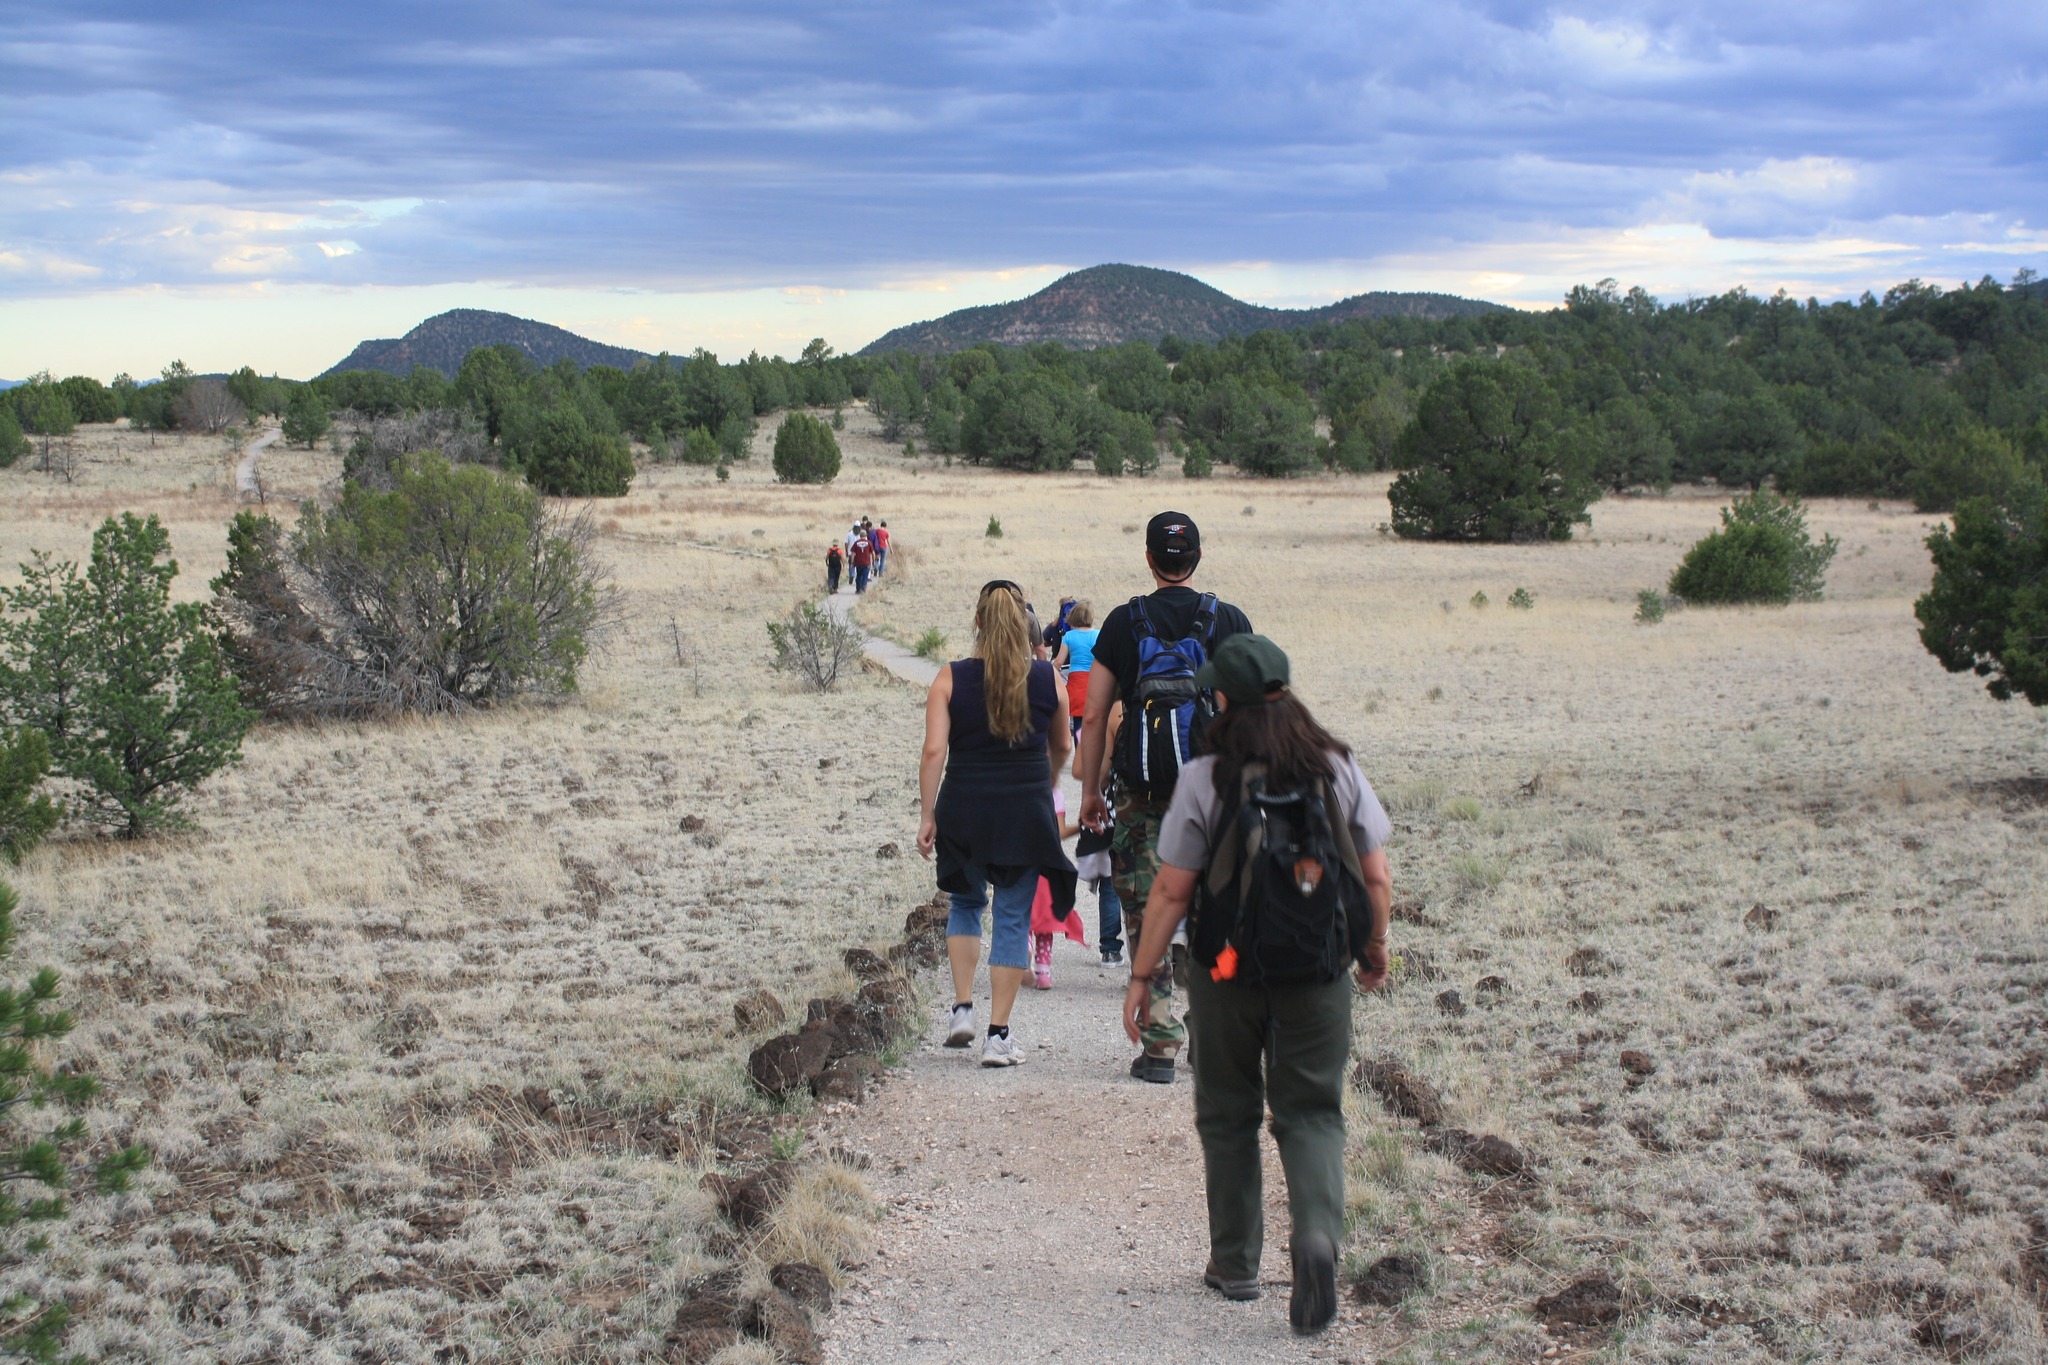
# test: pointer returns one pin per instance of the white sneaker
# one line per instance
(962, 1032)
(1001, 1050)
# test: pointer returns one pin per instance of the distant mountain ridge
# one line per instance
(442, 341)
(1107, 305)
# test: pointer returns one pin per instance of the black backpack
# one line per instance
(1167, 712)
(1283, 894)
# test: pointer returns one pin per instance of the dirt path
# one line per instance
(245, 472)
(887, 653)
(1052, 1211)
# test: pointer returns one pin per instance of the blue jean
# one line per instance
(860, 578)
(1109, 922)
(881, 562)
(1010, 943)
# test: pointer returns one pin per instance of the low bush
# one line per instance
(1521, 599)
(1762, 553)
(814, 645)
(131, 691)
(457, 588)
(930, 643)
(1986, 611)
(1649, 607)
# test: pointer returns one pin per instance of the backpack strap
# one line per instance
(1205, 622)
(1141, 624)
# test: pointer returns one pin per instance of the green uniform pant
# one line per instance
(1134, 861)
(1286, 1045)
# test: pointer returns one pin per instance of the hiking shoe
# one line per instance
(1158, 1070)
(1314, 1304)
(1237, 1291)
(1112, 957)
(1002, 1050)
(962, 1032)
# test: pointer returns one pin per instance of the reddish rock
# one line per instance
(1401, 1090)
(788, 1061)
(757, 1010)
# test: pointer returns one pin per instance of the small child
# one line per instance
(1043, 925)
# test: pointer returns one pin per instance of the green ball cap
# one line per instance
(1246, 668)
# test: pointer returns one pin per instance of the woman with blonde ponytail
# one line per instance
(993, 751)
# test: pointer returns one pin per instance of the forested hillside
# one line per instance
(1108, 305)
(443, 341)
(1930, 393)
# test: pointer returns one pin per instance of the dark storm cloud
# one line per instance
(716, 144)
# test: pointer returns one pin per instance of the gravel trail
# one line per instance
(1053, 1210)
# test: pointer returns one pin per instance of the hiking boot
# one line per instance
(1314, 1303)
(1237, 1291)
(962, 1032)
(1002, 1050)
(1158, 1070)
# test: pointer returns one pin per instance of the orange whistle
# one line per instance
(1226, 964)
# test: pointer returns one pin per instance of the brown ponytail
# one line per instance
(1002, 641)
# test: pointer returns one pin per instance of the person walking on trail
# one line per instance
(993, 750)
(1076, 656)
(881, 540)
(1277, 842)
(834, 562)
(862, 559)
(1146, 654)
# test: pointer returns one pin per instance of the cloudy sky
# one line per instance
(232, 183)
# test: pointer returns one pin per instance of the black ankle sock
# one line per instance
(963, 1005)
(998, 1030)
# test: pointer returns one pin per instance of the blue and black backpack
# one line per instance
(1167, 712)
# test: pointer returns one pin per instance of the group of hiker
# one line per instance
(1241, 843)
(860, 555)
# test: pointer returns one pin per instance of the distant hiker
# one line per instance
(834, 561)
(1277, 842)
(1146, 655)
(862, 559)
(990, 728)
(1055, 632)
(1076, 656)
(881, 540)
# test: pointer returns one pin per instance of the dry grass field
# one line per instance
(427, 1024)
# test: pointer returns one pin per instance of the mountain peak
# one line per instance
(442, 341)
(1107, 305)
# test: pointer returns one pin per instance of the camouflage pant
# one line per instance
(1134, 860)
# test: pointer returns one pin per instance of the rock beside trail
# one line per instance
(1592, 1301)
(803, 1282)
(845, 1079)
(1401, 1090)
(867, 964)
(1638, 1063)
(1487, 1155)
(789, 1061)
(1390, 1279)
(780, 1320)
(757, 1010)
(1451, 1003)
(748, 1200)
(704, 1326)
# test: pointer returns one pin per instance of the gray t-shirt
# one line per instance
(1187, 832)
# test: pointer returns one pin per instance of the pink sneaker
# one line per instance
(1041, 961)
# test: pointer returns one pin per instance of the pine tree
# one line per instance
(34, 1154)
(131, 691)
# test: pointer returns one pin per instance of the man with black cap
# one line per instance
(1172, 612)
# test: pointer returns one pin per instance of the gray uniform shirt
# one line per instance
(1188, 831)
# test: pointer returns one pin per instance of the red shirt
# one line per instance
(863, 554)
(881, 538)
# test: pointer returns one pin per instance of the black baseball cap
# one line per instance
(1248, 669)
(1174, 542)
